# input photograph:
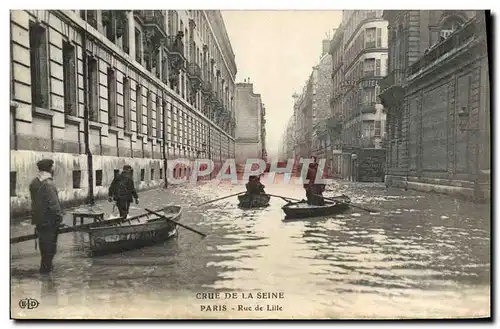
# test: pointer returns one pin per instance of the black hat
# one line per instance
(45, 165)
(127, 168)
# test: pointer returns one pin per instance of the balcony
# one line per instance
(391, 87)
(153, 20)
(454, 42)
(194, 74)
(175, 45)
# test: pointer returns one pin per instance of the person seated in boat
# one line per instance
(122, 190)
(254, 186)
(314, 192)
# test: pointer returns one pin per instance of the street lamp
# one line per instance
(464, 117)
(354, 157)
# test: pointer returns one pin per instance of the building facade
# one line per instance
(437, 95)
(336, 102)
(94, 90)
(322, 91)
(250, 121)
(364, 64)
(263, 132)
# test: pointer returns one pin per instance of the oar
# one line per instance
(287, 199)
(202, 204)
(173, 221)
(350, 204)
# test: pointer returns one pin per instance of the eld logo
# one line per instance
(29, 303)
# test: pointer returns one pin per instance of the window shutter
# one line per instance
(379, 38)
(377, 67)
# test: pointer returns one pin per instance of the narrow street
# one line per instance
(422, 255)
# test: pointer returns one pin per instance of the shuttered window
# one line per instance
(69, 73)
(138, 108)
(112, 118)
(377, 67)
(159, 127)
(39, 65)
(149, 112)
(126, 103)
(379, 38)
(93, 88)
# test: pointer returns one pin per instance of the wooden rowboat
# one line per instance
(112, 239)
(253, 201)
(296, 210)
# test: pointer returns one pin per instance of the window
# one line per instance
(138, 48)
(125, 36)
(369, 95)
(377, 128)
(126, 103)
(39, 66)
(369, 67)
(98, 177)
(69, 73)
(112, 118)
(159, 109)
(152, 174)
(77, 177)
(149, 112)
(116, 172)
(142, 175)
(161, 173)
(370, 35)
(379, 38)
(138, 108)
(13, 183)
(449, 26)
(93, 88)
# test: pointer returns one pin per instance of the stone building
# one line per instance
(438, 101)
(94, 90)
(322, 90)
(303, 117)
(364, 64)
(249, 114)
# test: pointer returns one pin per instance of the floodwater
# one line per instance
(418, 256)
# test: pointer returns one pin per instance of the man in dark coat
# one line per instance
(254, 186)
(314, 192)
(122, 190)
(46, 212)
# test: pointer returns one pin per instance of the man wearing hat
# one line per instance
(46, 212)
(122, 190)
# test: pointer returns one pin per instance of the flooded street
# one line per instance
(422, 255)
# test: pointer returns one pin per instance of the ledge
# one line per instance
(43, 112)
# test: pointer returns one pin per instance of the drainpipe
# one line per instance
(86, 116)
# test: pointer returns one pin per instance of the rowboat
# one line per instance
(296, 210)
(119, 238)
(247, 201)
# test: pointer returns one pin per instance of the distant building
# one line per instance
(338, 167)
(322, 91)
(250, 124)
(437, 95)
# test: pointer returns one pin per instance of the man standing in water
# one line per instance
(46, 212)
(122, 190)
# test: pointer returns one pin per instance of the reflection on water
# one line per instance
(418, 256)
